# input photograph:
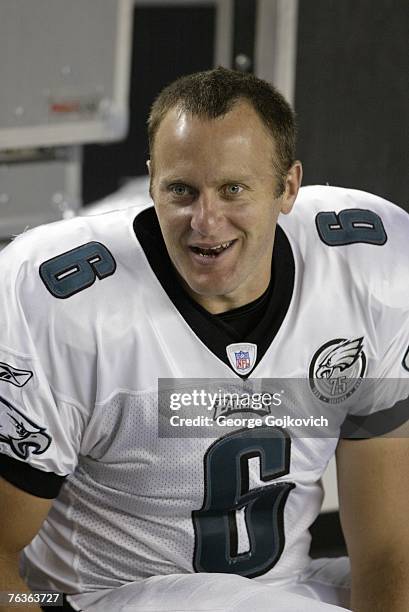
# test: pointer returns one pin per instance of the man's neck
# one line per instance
(217, 304)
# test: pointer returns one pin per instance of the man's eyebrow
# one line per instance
(237, 178)
(230, 179)
(168, 180)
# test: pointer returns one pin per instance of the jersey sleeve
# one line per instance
(382, 406)
(383, 402)
(40, 430)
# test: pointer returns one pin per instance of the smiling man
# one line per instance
(216, 282)
(218, 195)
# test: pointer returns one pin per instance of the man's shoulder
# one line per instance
(54, 245)
(340, 217)
(352, 237)
(348, 209)
(65, 271)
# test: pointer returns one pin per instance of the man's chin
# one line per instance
(208, 291)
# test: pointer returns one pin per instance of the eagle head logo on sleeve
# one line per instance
(337, 369)
(20, 433)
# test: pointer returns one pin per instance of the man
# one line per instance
(95, 311)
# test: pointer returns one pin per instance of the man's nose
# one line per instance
(207, 214)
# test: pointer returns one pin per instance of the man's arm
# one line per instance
(21, 516)
(373, 484)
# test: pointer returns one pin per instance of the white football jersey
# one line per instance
(92, 318)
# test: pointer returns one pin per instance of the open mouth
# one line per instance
(213, 251)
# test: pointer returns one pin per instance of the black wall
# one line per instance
(352, 94)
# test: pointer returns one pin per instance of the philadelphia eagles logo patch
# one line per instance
(20, 433)
(337, 369)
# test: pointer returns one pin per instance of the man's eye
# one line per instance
(233, 189)
(180, 190)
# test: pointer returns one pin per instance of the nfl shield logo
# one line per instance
(242, 356)
(242, 360)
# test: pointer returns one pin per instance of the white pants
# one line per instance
(323, 587)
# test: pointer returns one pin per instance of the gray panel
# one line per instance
(276, 44)
(35, 192)
(60, 64)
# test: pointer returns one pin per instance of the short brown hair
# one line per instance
(213, 93)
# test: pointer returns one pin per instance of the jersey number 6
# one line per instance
(226, 484)
(350, 226)
(77, 269)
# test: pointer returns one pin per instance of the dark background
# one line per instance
(351, 91)
(352, 94)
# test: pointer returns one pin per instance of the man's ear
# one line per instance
(292, 184)
(149, 167)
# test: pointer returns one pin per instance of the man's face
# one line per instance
(214, 188)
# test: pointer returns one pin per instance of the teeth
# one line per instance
(223, 245)
(215, 249)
